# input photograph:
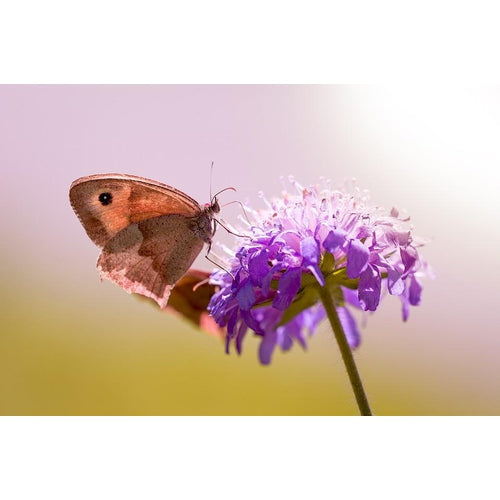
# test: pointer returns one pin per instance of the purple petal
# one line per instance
(394, 282)
(293, 329)
(398, 238)
(241, 254)
(290, 238)
(231, 322)
(308, 319)
(409, 256)
(405, 305)
(241, 331)
(266, 347)
(284, 341)
(268, 317)
(415, 291)
(258, 266)
(316, 271)
(251, 322)
(288, 286)
(403, 238)
(309, 250)
(336, 238)
(369, 289)
(246, 296)
(357, 258)
(351, 297)
(321, 232)
(350, 327)
(230, 328)
(364, 232)
(266, 282)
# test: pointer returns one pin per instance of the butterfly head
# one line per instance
(212, 208)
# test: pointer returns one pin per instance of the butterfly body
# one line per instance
(150, 233)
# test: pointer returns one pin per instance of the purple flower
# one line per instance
(317, 237)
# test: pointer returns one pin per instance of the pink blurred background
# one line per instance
(71, 345)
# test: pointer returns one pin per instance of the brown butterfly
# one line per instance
(150, 233)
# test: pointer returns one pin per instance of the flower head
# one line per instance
(316, 236)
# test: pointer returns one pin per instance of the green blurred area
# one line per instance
(136, 360)
(107, 353)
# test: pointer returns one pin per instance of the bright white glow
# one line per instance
(444, 136)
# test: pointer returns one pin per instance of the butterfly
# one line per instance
(150, 233)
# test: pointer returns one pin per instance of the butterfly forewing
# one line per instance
(108, 203)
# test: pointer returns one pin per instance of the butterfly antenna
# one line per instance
(221, 191)
(211, 174)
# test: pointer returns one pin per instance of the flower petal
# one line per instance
(357, 258)
(309, 250)
(266, 282)
(246, 296)
(409, 256)
(288, 286)
(335, 238)
(231, 323)
(294, 328)
(241, 331)
(251, 322)
(351, 297)
(266, 347)
(415, 291)
(394, 282)
(284, 340)
(405, 305)
(369, 289)
(316, 271)
(258, 266)
(350, 327)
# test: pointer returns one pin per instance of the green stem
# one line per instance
(345, 350)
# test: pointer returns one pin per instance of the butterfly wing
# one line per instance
(190, 298)
(148, 257)
(108, 203)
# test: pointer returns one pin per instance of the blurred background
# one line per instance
(71, 345)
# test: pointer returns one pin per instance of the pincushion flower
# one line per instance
(313, 241)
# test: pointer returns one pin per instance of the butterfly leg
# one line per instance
(242, 208)
(215, 263)
(228, 230)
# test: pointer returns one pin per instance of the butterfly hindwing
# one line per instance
(150, 256)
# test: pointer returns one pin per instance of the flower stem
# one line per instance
(345, 350)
